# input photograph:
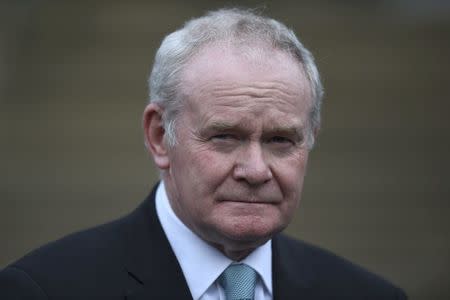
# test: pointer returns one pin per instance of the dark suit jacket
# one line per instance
(131, 259)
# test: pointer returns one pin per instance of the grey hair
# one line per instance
(237, 26)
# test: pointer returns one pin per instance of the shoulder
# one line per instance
(89, 264)
(58, 266)
(328, 273)
(95, 242)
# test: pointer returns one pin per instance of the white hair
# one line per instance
(237, 26)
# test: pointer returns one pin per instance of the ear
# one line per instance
(154, 135)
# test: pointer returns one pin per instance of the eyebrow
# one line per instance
(290, 130)
(222, 126)
(294, 132)
(218, 126)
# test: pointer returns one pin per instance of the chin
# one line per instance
(249, 233)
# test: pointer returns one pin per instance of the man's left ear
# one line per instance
(154, 135)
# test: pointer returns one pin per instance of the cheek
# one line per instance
(292, 170)
(202, 170)
(290, 174)
(212, 165)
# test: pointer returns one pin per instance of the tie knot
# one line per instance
(238, 282)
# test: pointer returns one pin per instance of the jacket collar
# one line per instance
(152, 268)
(292, 279)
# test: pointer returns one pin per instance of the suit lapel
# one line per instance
(152, 267)
(289, 281)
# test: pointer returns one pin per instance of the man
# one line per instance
(234, 110)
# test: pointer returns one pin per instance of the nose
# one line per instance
(251, 165)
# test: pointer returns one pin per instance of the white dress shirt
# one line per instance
(202, 264)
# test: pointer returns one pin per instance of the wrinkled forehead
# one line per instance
(244, 63)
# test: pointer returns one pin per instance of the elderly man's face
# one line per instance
(236, 173)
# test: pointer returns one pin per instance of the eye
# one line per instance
(224, 142)
(280, 140)
(223, 137)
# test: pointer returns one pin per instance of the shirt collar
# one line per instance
(200, 262)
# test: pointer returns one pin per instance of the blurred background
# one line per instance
(73, 88)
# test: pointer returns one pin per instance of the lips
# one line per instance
(249, 200)
(240, 194)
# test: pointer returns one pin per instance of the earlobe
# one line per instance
(154, 135)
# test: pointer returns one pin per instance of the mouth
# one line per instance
(249, 197)
(248, 201)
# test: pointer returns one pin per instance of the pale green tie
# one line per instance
(238, 282)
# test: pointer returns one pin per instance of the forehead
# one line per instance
(245, 82)
(227, 62)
